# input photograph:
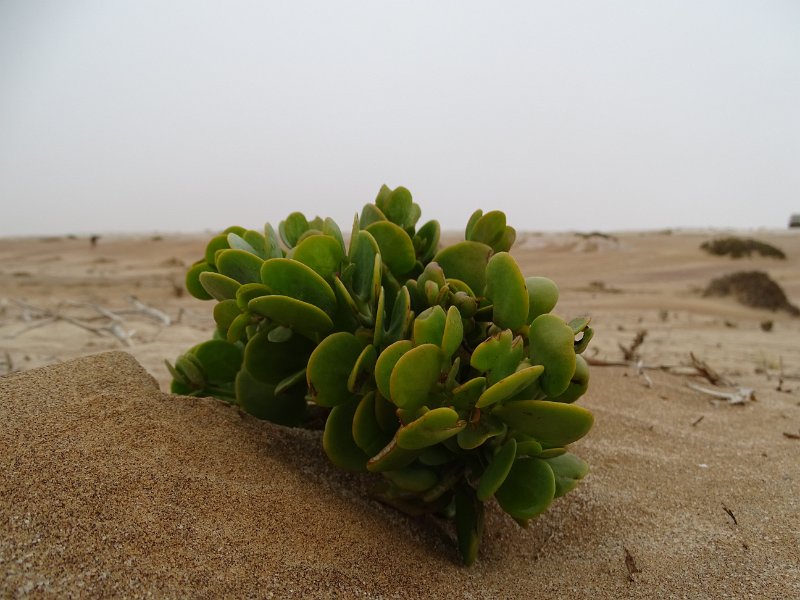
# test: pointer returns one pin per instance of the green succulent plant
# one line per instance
(440, 368)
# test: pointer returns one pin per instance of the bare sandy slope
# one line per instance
(109, 486)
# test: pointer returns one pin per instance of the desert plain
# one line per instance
(109, 486)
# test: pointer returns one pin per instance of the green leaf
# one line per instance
(292, 228)
(489, 228)
(329, 368)
(396, 248)
(466, 261)
(272, 243)
(370, 214)
(453, 332)
(412, 479)
(479, 430)
(247, 292)
(272, 361)
(471, 223)
(240, 265)
(396, 205)
(224, 314)
(551, 423)
(542, 296)
(363, 369)
(221, 360)
(401, 319)
(220, 287)
(426, 241)
(288, 277)
(499, 355)
(431, 428)
(466, 395)
(528, 489)
(505, 289)
(552, 344)
(259, 399)
(414, 375)
(386, 363)
(391, 458)
(508, 386)
(568, 470)
(497, 470)
(193, 284)
(364, 249)
(337, 439)
(218, 242)
(368, 433)
(578, 384)
(429, 326)
(300, 316)
(322, 253)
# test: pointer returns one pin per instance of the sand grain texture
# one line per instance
(110, 487)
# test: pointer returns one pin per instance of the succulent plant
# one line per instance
(441, 369)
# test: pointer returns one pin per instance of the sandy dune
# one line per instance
(109, 486)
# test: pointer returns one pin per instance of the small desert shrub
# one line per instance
(441, 370)
(752, 288)
(736, 247)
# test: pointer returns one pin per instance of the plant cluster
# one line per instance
(737, 247)
(441, 369)
(752, 288)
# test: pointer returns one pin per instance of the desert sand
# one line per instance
(111, 486)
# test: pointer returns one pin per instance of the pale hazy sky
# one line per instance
(594, 115)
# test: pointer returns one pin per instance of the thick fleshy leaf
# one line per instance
(471, 223)
(272, 361)
(431, 428)
(292, 228)
(259, 399)
(578, 384)
(300, 316)
(426, 241)
(498, 355)
(396, 248)
(466, 261)
(436, 456)
(542, 296)
(528, 489)
(240, 265)
(507, 240)
(466, 395)
(220, 360)
(370, 214)
(238, 327)
(272, 243)
(453, 332)
(248, 291)
(337, 439)
(469, 523)
(193, 284)
(395, 204)
(215, 244)
(429, 326)
(529, 447)
(363, 251)
(480, 429)
(219, 286)
(401, 319)
(368, 433)
(237, 242)
(322, 253)
(551, 423)
(489, 228)
(386, 363)
(510, 385)
(497, 470)
(362, 370)
(329, 368)
(505, 289)
(391, 457)
(413, 479)
(288, 277)
(414, 375)
(329, 227)
(552, 345)
(568, 470)
(224, 314)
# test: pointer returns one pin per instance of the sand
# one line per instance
(109, 486)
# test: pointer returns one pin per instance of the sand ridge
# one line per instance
(110, 487)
